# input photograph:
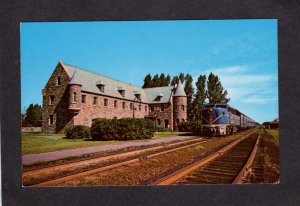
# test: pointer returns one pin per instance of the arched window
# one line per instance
(182, 107)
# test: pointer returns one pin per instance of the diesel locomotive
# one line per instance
(222, 119)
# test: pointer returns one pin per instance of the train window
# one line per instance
(221, 106)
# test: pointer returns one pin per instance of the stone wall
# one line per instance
(163, 118)
(89, 111)
(180, 110)
(59, 109)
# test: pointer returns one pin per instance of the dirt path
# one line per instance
(48, 156)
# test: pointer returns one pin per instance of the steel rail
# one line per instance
(110, 166)
(175, 176)
(239, 177)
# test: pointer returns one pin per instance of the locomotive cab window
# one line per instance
(221, 106)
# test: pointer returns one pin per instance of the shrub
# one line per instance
(189, 126)
(78, 132)
(162, 129)
(122, 129)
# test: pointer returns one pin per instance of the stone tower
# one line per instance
(179, 104)
(74, 94)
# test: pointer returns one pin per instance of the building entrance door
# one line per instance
(166, 123)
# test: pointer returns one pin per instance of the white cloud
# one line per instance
(231, 69)
(243, 85)
(259, 100)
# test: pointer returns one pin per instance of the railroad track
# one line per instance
(226, 166)
(133, 156)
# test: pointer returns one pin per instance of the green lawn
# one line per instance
(34, 143)
(275, 134)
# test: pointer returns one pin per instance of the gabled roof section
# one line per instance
(179, 91)
(163, 92)
(89, 82)
(75, 79)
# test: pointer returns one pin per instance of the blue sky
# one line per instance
(243, 53)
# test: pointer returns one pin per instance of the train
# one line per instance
(222, 119)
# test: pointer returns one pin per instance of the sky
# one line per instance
(243, 53)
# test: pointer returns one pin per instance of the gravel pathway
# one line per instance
(48, 156)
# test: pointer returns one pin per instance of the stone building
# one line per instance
(73, 96)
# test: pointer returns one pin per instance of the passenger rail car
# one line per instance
(222, 119)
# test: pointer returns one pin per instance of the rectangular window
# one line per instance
(94, 100)
(131, 106)
(145, 108)
(158, 122)
(105, 102)
(58, 81)
(124, 105)
(140, 107)
(74, 97)
(182, 107)
(162, 108)
(83, 99)
(151, 108)
(115, 103)
(51, 119)
(51, 100)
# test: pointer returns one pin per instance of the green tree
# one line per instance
(168, 80)
(147, 81)
(181, 77)
(215, 91)
(33, 116)
(189, 90)
(200, 96)
(155, 81)
(174, 80)
(163, 80)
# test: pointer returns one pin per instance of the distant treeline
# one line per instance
(209, 89)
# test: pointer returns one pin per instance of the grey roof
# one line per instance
(164, 92)
(75, 79)
(179, 91)
(89, 81)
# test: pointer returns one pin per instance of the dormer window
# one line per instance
(137, 95)
(58, 83)
(158, 98)
(100, 85)
(121, 91)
